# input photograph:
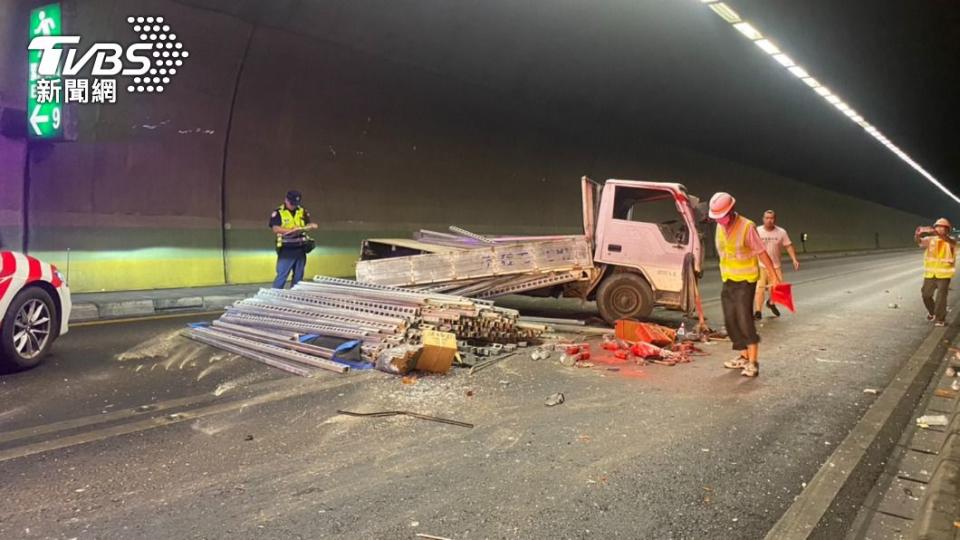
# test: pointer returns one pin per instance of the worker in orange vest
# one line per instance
(939, 266)
(741, 250)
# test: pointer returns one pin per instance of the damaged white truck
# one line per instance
(641, 248)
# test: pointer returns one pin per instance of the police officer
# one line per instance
(290, 222)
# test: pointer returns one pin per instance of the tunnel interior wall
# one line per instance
(176, 189)
(12, 149)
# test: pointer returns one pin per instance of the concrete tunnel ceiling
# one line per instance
(649, 72)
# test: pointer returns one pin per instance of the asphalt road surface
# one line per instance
(130, 431)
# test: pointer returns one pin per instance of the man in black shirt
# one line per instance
(290, 222)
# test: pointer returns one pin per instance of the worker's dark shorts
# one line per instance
(737, 300)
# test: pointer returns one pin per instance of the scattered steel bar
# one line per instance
(289, 367)
(487, 363)
(273, 350)
(473, 236)
(551, 320)
(383, 414)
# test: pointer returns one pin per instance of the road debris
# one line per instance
(893, 306)
(555, 399)
(339, 324)
(944, 393)
(933, 420)
(630, 330)
(872, 391)
(384, 414)
(431, 537)
(540, 354)
(487, 363)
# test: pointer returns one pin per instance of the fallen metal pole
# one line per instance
(273, 350)
(550, 320)
(383, 414)
(589, 330)
(252, 355)
(251, 333)
(487, 363)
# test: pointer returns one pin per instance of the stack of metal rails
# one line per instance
(270, 326)
(483, 267)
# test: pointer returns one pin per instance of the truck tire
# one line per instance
(28, 329)
(624, 295)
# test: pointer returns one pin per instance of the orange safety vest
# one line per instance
(939, 259)
(737, 260)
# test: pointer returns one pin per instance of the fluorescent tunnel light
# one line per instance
(767, 46)
(725, 12)
(732, 17)
(748, 30)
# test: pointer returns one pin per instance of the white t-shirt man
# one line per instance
(774, 240)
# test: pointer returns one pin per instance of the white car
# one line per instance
(35, 304)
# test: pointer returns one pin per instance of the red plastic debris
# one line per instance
(646, 350)
(650, 333)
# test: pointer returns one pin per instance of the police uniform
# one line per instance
(291, 248)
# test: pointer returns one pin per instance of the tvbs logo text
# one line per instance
(150, 64)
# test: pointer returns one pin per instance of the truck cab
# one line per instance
(646, 243)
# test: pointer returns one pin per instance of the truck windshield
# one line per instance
(651, 206)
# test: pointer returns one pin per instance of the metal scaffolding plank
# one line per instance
(489, 261)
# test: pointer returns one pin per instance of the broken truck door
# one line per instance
(641, 227)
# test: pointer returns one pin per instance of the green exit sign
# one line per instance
(44, 106)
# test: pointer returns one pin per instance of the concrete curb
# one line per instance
(941, 503)
(120, 309)
(848, 476)
(940, 506)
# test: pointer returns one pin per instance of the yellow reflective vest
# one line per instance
(289, 220)
(939, 259)
(737, 261)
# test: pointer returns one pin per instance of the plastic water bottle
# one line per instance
(681, 332)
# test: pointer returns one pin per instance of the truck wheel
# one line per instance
(27, 329)
(624, 295)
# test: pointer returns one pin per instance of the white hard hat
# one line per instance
(943, 222)
(721, 204)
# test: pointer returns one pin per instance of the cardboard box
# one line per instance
(630, 330)
(439, 350)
